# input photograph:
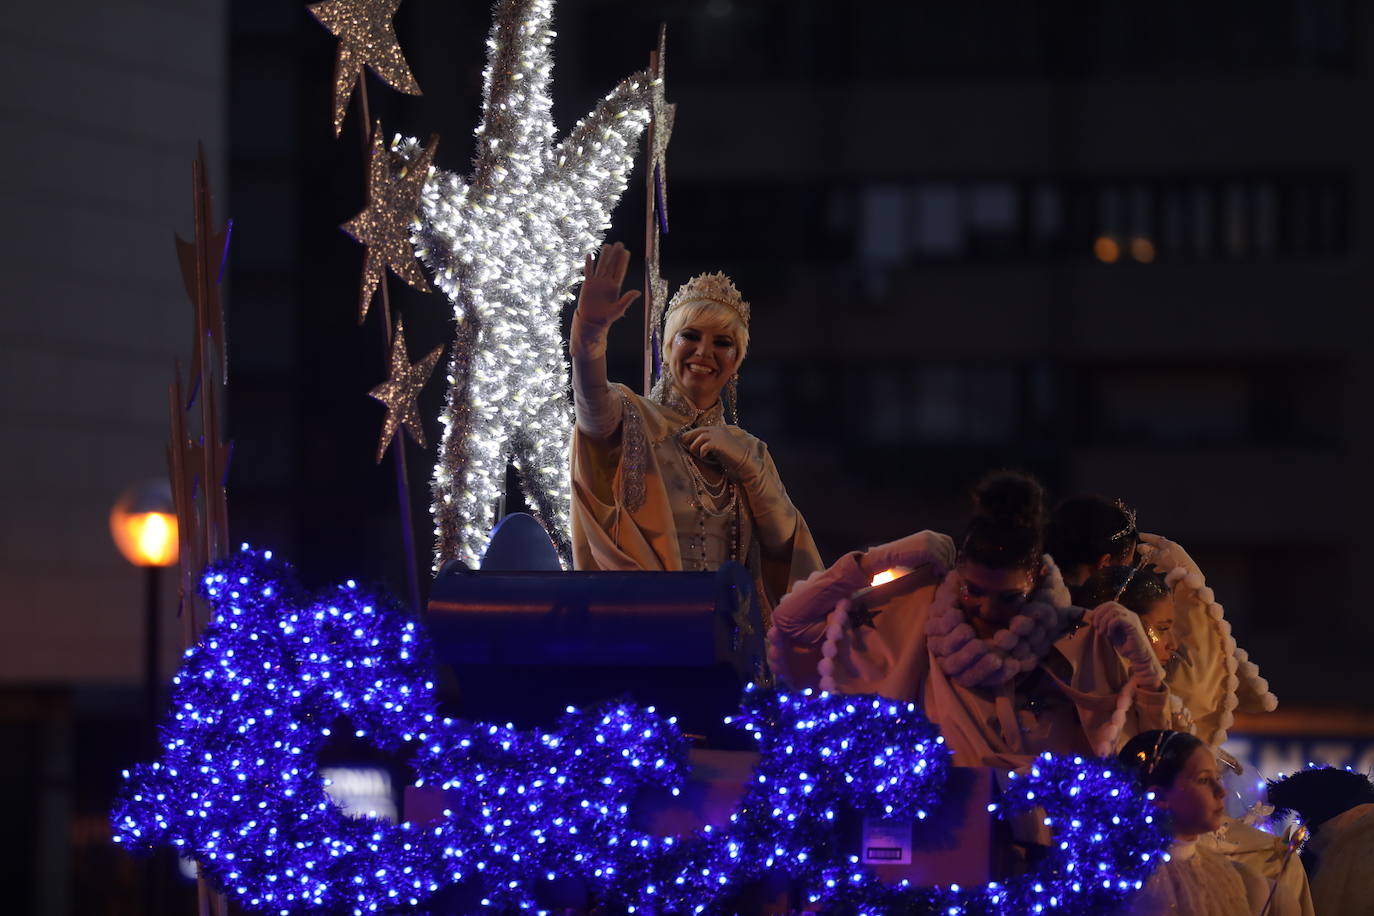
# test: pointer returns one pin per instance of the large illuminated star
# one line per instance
(366, 38)
(507, 247)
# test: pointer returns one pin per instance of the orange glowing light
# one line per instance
(888, 575)
(145, 538)
(143, 524)
(1142, 249)
(1106, 249)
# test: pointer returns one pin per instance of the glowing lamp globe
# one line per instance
(143, 524)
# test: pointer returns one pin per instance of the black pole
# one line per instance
(151, 635)
(156, 865)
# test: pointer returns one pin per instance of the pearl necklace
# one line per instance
(707, 497)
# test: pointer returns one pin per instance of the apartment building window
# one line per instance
(1113, 220)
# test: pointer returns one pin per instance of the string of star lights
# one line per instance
(507, 247)
(278, 670)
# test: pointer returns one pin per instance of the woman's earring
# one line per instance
(732, 399)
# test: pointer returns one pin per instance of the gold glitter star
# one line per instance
(393, 201)
(366, 36)
(400, 391)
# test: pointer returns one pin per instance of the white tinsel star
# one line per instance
(507, 248)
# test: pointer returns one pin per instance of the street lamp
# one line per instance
(143, 524)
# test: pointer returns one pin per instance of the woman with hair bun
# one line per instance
(1182, 773)
(971, 633)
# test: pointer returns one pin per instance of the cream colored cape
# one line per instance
(1213, 677)
(892, 657)
(622, 520)
(1343, 883)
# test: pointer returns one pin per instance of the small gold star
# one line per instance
(366, 37)
(393, 202)
(400, 391)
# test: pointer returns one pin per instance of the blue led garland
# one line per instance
(237, 787)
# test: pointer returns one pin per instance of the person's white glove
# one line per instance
(1124, 629)
(745, 459)
(737, 453)
(911, 551)
(600, 302)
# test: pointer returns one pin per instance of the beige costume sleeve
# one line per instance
(597, 405)
(812, 644)
(774, 517)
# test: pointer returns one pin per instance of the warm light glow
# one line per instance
(1142, 249)
(888, 575)
(1106, 249)
(145, 538)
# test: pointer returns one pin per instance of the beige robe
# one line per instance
(1073, 702)
(1343, 883)
(627, 491)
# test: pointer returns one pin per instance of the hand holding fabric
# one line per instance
(912, 551)
(745, 459)
(730, 447)
(1125, 631)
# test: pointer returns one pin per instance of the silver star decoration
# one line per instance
(663, 115)
(507, 247)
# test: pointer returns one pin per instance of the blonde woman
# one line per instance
(664, 482)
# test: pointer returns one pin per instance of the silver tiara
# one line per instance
(1130, 521)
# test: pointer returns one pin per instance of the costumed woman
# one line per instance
(1147, 592)
(1182, 772)
(1209, 674)
(973, 635)
(664, 483)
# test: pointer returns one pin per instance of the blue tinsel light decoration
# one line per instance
(237, 787)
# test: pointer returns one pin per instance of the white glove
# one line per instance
(912, 551)
(745, 458)
(1125, 631)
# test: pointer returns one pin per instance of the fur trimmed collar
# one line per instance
(971, 661)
